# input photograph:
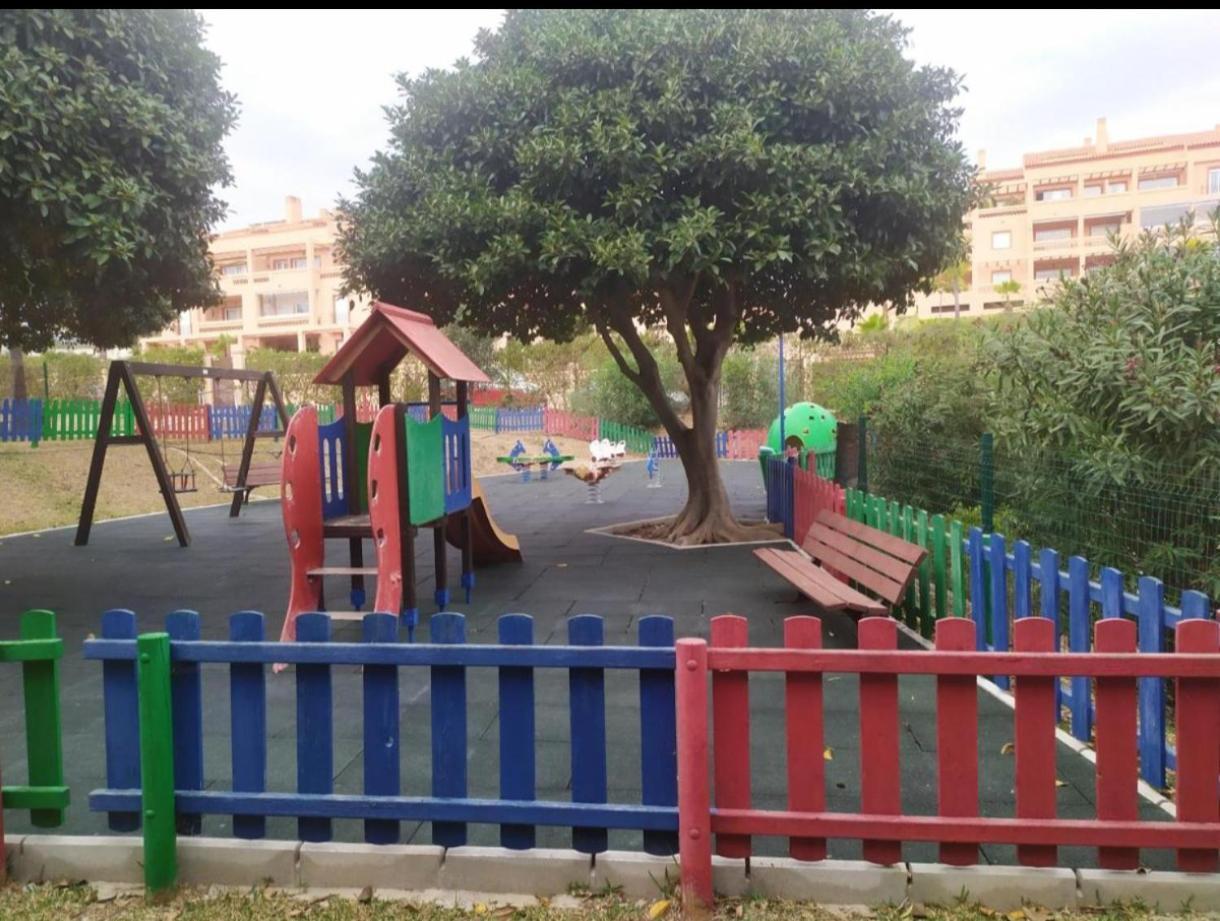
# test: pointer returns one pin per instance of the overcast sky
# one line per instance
(312, 83)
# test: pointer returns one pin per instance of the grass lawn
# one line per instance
(81, 903)
(43, 486)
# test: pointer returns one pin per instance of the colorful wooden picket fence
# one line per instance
(39, 650)
(155, 743)
(519, 420)
(570, 425)
(234, 421)
(971, 574)
(724, 808)
(21, 420)
(637, 440)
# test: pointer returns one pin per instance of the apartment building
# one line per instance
(280, 283)
(1053, 216)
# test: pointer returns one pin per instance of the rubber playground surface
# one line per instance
(243, 565)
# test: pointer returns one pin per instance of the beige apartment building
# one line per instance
(280, 283)
(1053, 215)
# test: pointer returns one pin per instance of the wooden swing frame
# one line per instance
(124, 373)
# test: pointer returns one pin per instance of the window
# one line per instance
(1049, 274)
(233, 268)
(1213, 181)
(1117, 186)
(1103, 228)
(279, 265)
(1159, 182)
(284, 305)
(1043, 234)
(998, 278)
(1093, 190)
(1152, 218)
(1053, 194)
(1001, 239)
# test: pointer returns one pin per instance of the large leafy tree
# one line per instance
(723, 175)
(111, 124)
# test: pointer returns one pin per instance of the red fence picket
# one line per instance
(181, 421)
(1115, 666)
(570, 425)
(743, 444)
(812, 495)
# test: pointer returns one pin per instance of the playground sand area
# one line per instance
(44, 485)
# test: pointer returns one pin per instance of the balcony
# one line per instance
(1063, 243)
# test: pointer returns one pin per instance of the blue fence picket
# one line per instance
(448, 727)
(1151, 631)
(121, 706)
(315, 726)
(1111, 592)
(999, 599)
(248, 722)
(1022, 580)
(658, 733)
(186, 690)
(21, 420)
(1048, 580)
(1079, 632)
(587, 692)
(381, 731)
(517, 769)
(978, 588)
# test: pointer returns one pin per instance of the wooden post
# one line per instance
(410, 595)
(355, 545)
(694, 795)
(862, 456)
(247, 449)
(987, 480)
(156, 762)
(463, 411)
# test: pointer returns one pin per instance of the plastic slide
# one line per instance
(491, 545)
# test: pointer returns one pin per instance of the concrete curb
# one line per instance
(467, 875)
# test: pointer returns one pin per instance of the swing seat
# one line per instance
(258, 475)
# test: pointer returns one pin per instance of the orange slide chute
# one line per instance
(491, 544)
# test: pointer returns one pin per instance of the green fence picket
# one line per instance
(156, 762)
(939, 576)
(43, 725)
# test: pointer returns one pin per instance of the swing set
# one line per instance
(174, 479)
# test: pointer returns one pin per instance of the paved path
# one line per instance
(242, 565)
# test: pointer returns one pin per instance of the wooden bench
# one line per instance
(258, 475)
(876, 562)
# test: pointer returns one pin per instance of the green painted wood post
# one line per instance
(925, 595)
(157, 762)
(862, 455)
(955, 564)
(987, 481)
(43, 726)
(939, 579)
(908, 534)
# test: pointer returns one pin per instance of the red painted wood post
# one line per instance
(731, 732)
(1198, 715)
(1116, 742)
(803, 719)
(880, 792)
(957, 739)
(694, 796)
(1034, 717)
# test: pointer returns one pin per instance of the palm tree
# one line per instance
(953, 278)
(1008, 288)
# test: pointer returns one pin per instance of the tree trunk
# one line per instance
(957, 300)
(17, 358)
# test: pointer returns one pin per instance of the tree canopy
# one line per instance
(723, 175)
(111, 125)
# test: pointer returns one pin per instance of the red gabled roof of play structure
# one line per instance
(386, 337)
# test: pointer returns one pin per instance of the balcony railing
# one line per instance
(1060, 243)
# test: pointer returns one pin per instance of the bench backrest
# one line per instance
(874, 560)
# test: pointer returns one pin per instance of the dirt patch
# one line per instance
(657, 530)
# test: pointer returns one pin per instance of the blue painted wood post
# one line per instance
(587, 709)
(1022, 580)
(517, 771)
(121, 704)
(186, 688)
(315, 727)
(1048, 578)
(248, 722)
(999, 600)
(1079, 631)
(381, 733)
(1111, 592)
(658, 733)
(1195, 605)
(978, 589)
(1152, 690)
(448, 727)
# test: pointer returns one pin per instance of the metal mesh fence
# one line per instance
(1161, 520)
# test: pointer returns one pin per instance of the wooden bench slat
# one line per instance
(816, 583)
(894, 546)
(889, 589)
(801, 579)
(860, 551)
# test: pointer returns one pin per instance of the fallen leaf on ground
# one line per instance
(828, 754)
(657, 908)
(1007, 748)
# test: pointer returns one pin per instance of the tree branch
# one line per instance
(676, 307)
(648, 378)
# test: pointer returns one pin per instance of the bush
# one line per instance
(749, 390)
(610, 395)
